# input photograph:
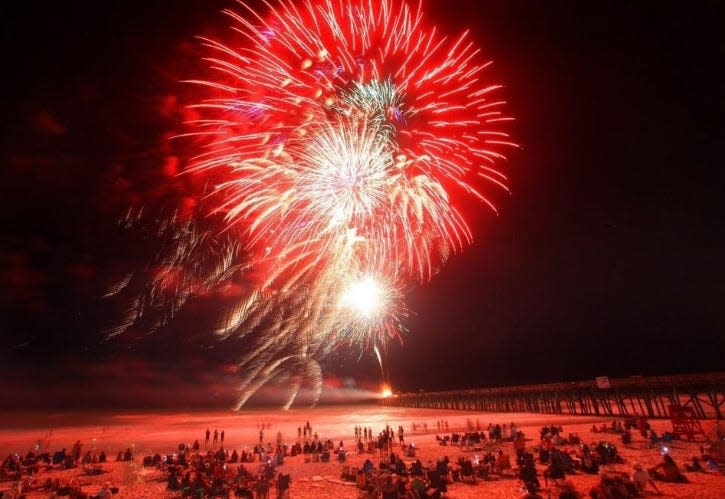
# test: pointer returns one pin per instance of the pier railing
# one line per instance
(647, 396)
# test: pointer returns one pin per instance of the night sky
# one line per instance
(606, 259)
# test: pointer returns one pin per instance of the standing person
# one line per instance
(206, 441)
(76, 451)
(261, 435)
(222, 438)
(401, 433)
(216, 437)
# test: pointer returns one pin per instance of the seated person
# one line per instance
(173, 482)
(466, 468)
(283, 485)
(568, 491)
(416, 469)
(400, 468)
(694, 465)
(653, 438)
(531, 493)
(419, 487)
(627, 437)
(262, 488)
(554, 471)
(614, 485)
(641, 478)
(519, 446)
(368, 466)
(709, 462)
(369, 493)
(564, 460)
(503, 462)
(588, 464)
(528, 475)
(670, 472)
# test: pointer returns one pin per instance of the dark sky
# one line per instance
(605, 260)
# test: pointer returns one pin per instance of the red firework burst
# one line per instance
(332, 119)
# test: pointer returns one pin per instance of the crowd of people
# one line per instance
(24, 471)
(495, 453)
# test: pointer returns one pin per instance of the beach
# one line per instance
(148, 433)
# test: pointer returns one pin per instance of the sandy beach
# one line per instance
(148, 433)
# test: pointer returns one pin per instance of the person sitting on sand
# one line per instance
(568, 491)
(367, 466)
(695, 465)
(105, 491)
(588, 464)
(554, 472)
(416, 468)
(531, 493)
(389, 490)
(369, 493)
(419, 487)
(70, 489)
(613, 485)
(641, 478)
(653, 438)
(262, 488)
(173, 482)
(670, 472)
(626, 437)
(519, 446)
(709, 462)
(528, 474)
(503, 462)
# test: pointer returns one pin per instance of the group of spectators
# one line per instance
(217, 473)
(394, 479)
(23, 471)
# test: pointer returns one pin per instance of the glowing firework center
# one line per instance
(336, 134)
(365, 297)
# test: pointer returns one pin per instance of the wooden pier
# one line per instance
(648, 396)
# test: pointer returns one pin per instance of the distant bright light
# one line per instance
(365, 297)
(386, 392)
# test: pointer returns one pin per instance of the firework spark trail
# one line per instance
(338, 133)
(340, 137)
